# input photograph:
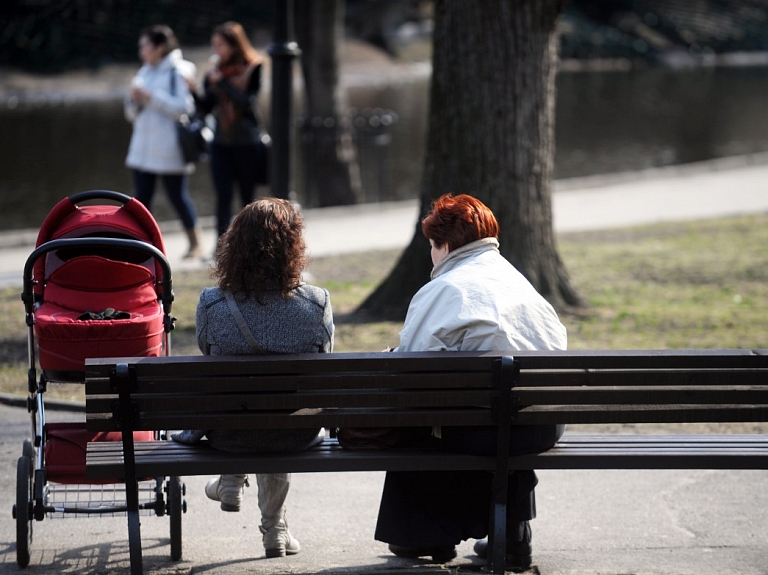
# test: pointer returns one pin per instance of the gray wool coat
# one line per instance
(301, 323)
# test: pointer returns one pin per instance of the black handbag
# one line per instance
(193, 133)
(194, 138)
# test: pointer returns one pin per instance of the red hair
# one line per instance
(459, 220)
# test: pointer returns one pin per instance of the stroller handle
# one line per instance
(167, 284)
(99, 195)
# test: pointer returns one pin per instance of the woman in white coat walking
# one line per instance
(158, 97)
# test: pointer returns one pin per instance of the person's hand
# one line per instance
(215, 75)
(140, 96)
(191, 84)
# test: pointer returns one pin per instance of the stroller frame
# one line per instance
(165, 497)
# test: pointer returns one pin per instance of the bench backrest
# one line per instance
(641, 386)
(291, 391)
(439, 388)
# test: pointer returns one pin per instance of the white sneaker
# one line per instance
(228, 489)
(278, 541)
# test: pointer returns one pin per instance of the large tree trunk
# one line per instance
(332, 175)
(491, 135)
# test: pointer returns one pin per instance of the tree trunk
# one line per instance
(491, 135)
(332, 175)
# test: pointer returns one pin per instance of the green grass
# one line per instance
(683, 285)
(693, 285)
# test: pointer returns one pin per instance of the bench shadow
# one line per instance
(113, 557)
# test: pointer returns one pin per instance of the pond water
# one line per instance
(606, 122)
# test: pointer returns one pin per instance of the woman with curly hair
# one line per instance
(261, 306)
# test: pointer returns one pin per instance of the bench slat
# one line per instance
(153, 457)
(645, 359)
(216, 401)
(305, 418)
(646, 376)
(652, 394)
(314, 363)
(574, 451)
(549, 414)
(196, 383)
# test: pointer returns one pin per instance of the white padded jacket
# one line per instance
(154, 146)
(478, 301)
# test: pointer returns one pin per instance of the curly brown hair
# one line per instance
(263, 249)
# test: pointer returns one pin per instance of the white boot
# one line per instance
(228, 489)
(278, 541)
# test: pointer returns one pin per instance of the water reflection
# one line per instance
(609, 122)
(606, 122)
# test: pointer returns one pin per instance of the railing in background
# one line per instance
(372, 136)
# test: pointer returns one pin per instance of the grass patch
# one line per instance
(691, 285)
(682, 285)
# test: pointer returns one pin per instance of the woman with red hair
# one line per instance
(476, 301)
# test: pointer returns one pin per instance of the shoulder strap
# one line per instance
(173, 81)
(255, 347)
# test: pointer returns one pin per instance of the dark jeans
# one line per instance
(232, 165)
(175, 187)
(443, 508)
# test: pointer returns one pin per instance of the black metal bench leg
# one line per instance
(497, 539)
(497, 533)
(134, 527)
(123, 380)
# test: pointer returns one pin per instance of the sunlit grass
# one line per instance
(693, 285)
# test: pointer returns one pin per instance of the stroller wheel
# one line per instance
(175, 509)
(29, 451)
(22, 510)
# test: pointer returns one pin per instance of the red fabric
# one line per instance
(142, 215)
(67, 220)
(93, 283)
(65, 445)
(64, 342)
(112, 218)
(53, 219)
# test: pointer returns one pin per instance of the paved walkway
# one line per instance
(606, 522)
(702, 190)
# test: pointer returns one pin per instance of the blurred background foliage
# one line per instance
(56, 35)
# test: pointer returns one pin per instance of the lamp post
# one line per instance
(282, 50)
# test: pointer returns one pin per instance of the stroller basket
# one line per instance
(107, 500)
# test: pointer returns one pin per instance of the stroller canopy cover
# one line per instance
(73, 285)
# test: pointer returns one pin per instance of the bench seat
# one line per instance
(574, 451)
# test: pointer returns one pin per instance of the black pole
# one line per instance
(282, 51)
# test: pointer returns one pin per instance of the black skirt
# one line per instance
(443, 508)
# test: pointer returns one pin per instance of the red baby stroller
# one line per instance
(97, 285)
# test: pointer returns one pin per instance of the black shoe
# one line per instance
(518, 554)
(438, 554)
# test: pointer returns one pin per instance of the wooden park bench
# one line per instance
(426, 389)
